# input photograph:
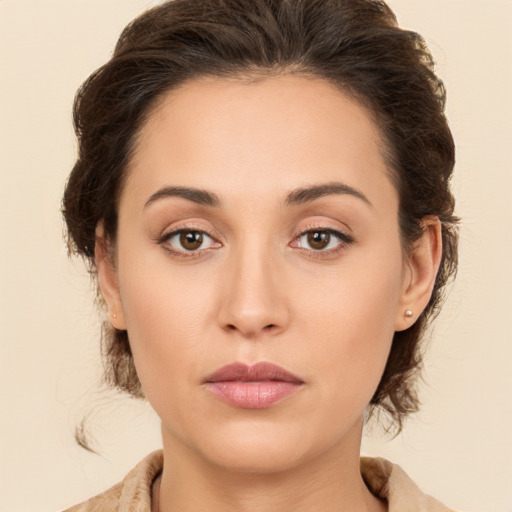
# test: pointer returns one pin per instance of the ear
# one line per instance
(107, 276)
(420, 274)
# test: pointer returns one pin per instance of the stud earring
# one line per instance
(408, 313)
(113, 315)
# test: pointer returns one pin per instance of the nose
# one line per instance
(254, 300)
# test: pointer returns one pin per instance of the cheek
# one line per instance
(166, 311)
(351, 319)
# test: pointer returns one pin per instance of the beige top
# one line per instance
(384, 479)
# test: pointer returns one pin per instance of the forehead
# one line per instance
(265, 135)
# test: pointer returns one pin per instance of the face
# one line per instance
(258, 223)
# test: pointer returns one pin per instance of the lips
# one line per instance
(252, 387)
(259, 372)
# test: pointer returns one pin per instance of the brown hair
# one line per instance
(354, 44)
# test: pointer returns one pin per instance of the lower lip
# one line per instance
(252, 395)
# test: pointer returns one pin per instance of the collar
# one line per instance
(383, 478)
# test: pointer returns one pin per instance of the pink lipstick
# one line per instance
(252, 387)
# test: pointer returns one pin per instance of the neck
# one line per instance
(330, 481)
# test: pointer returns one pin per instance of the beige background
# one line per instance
(458, 448)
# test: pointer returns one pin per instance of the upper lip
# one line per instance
(262, 371)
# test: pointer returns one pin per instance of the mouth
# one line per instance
(252, 387)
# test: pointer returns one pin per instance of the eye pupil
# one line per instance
(191, 240)
(318, 239)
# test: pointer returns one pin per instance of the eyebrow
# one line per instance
(295, 197)
(195, 195)
(309, 194)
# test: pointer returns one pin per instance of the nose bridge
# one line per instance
(253, 301)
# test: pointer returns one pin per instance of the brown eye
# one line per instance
(318, 240)
(191, 240)
(323, 240)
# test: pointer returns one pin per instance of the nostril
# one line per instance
(269, 327)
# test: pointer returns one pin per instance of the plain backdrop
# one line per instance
(458, 448)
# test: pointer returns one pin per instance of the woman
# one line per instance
(262, 190)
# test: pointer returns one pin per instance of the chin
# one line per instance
(270, 459)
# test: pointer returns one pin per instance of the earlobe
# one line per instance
(107, 277)
(420, 274)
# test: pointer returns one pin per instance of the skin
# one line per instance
(256, 290)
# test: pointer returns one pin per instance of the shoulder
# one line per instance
(390, 481)
(108, 500)
(132, 494)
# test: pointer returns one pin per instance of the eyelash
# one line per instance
(344, 241)
(343, 238)
(164, 242)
